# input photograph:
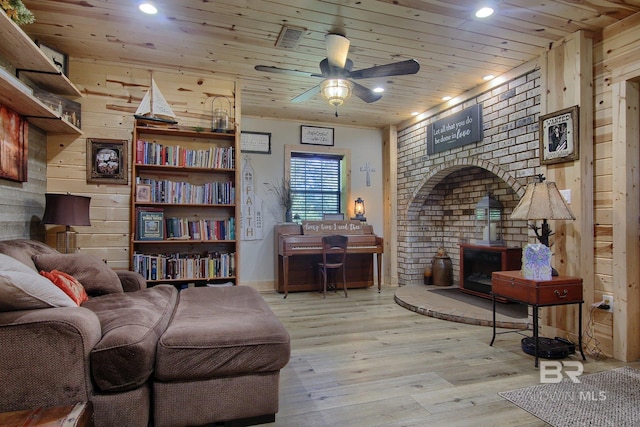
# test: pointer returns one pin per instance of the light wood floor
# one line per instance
(366, 361)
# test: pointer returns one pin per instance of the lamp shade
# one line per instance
(336, 91)
(66, 209)
(542, 200)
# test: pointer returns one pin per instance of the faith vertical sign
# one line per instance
(456, 130)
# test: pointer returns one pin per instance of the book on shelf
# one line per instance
(153, 153)
(185, 266)
(150, 223)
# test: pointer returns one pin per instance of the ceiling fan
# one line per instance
(336, 70)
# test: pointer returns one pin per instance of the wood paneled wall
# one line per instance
(22, 203)
(112, 93)
(616, 186)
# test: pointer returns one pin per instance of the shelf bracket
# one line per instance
(25, 70)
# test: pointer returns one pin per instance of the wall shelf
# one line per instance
(23, 54)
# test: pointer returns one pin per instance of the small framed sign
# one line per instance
(255, 142)
(59, 59)
(316, 135)
(559, 136)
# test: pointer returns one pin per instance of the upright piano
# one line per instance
(299, 249)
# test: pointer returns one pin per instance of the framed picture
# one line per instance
(106, 161)
(59, 59)
(255, 142)
(316, 135)
(559, 136)
(14, 137)
(143, 193)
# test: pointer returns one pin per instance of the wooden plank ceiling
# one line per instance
(230, 37)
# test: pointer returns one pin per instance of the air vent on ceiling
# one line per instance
(290, 37)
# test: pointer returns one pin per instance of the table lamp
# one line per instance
(542, 201)
(67, 210)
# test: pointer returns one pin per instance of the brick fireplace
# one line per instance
(437, 193)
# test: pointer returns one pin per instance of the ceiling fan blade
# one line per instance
(366, 94)
(305, 96)
(409, 66)
(337, 49)
(269, 69)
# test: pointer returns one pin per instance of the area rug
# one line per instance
(515, 310)
(605, 399)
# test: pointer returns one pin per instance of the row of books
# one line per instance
(185, 266)
(151, 225)
(200, 229)
(179, 192)
(152, 153)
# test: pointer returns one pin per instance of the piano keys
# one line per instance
(299, 249)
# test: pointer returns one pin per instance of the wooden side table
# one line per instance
(78, 415)
(560, 290)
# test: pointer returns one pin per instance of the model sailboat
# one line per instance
(154, 107)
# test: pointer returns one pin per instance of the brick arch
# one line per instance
(439, 172)
(415, 247)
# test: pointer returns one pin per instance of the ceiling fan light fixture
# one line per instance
(336, 91)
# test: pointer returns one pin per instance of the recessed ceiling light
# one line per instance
(415, 113)
(488, 77)
(378, 89)
(446, 98)
(484, 12)
(148, 8)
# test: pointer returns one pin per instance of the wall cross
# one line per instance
(368, 169)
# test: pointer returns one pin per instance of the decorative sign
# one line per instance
(331, 227)
(456, 130)
(316, 135)
(255, 142)
(559, 136)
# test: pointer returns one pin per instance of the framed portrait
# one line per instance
(559, 136)
(106, 161)
(315, 135)
(255, 142)
(143, 193)
(59, 59)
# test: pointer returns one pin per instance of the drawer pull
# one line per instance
(564, 294)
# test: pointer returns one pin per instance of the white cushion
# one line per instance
(21, 288)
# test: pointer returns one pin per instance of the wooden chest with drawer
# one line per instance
(558, 290)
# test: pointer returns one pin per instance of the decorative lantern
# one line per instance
(358, 210)
(220, 116)
(489, 221)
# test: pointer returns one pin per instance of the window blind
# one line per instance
(315, 185)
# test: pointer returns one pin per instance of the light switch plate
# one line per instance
(567, 195)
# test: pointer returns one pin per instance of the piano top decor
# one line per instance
(312, 228)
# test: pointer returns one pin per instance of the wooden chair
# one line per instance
(334, 256)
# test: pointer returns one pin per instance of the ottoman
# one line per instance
(219, 359)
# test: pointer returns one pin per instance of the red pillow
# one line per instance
(68, 284)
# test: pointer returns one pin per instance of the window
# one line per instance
(316, 184)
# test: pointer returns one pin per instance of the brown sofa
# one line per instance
(142, 356)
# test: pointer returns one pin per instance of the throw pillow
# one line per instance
(96, 276)
(68, 284)
(21, 288)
